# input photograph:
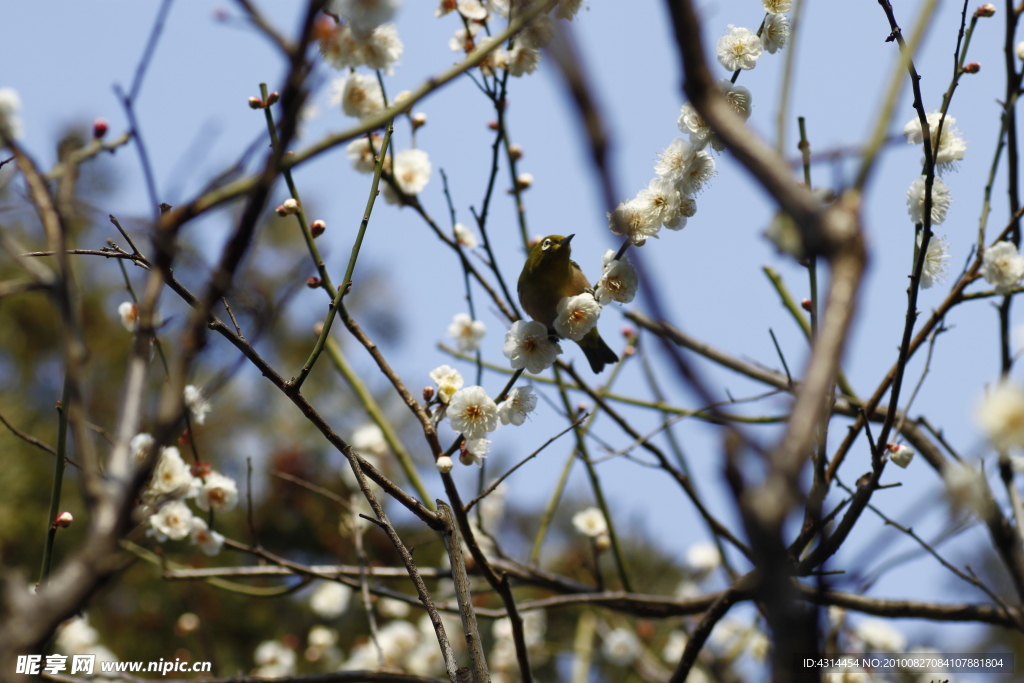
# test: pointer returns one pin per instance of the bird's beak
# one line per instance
(565, 240)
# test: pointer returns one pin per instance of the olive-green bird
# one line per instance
(549, 276)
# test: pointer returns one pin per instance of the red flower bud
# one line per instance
(806, 305)
(972, 68)
(317, 228)
(63, 520)
(313, 282)
(986, 10)
(99, 128)
(273, 97)
(256, 103)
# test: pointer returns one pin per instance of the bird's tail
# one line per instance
(598, 353)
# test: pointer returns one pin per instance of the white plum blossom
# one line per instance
(686, 166)
(218, 492)
(900, 454)
(397, 638)
(577, 315)
(521, 60)
(703, 557)
(934, 269)
(1002, 266)
(467, 332)
(172, 521)
(520, 403)
(672, 652)
(361, 95)
(472, 9)
(361, 154)
(661, 200)
(465, 236)
(775, 34)
(198, 406)
(448, 381)
(528, 345)
(472, 413)
(1001, 416)
(777, 6)
(621, 647)
(474, 451)
(738, 97)
(693, 124)
(411, 171)
(129, 313)
(941, 200)
(275, 659)
(968, 488)
(881, 636)
(140, 445)
(172, 477)
(76, 636)
(590, 522)
(619, 281)
(632, 220)
(951, 146)
(10, 115)
(381, 49)
(365, 15)
(209, 541)
(462, 41)
(330, 599)
(369, 440)
(738, 49)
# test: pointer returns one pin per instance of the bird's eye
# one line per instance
(545, 245)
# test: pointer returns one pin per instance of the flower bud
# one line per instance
(515, 150)
(201, 469)
(185, 438)
(313, 282)
(273, 97)
(628, 351)
(419, 119)
(444, 464)
(806, 305)
(1020, 50)
(290, 206)
(493, 125)
(899, 454)
(602, 543)
(317, 228)
(628, 332)
(581, 407)
(524, 180)
(986, 10)
(99, 128)
(465, 457)
(255, 103)
(428, 393)
(972, 68)
(63, 520)
(324, 28)
(318, 329)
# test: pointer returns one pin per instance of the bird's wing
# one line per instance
(580, 283)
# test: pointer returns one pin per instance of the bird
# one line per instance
(549, 276)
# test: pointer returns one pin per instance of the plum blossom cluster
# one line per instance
(474, 414)
(173, 483)
(357, 33)
(948, 148)
(523, 53)
(740, 48)
(686, 165)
